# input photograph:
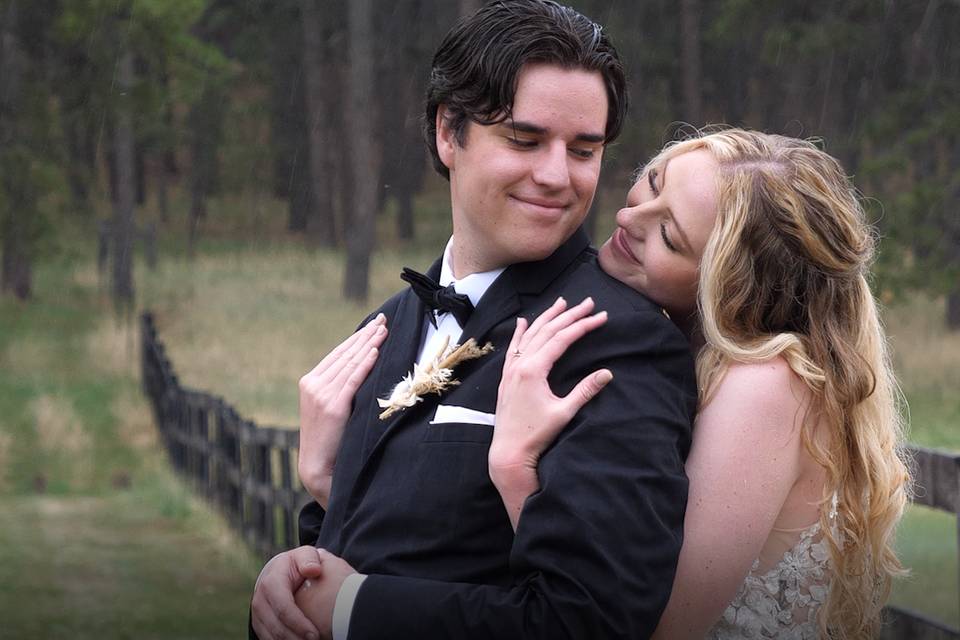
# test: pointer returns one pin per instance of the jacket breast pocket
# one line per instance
(458, 432)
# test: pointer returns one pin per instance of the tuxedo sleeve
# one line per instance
(596, 548)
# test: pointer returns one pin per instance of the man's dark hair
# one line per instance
(475, 69)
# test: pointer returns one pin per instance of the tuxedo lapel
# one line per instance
(501, 301)
(498, 303)
(504, 297)
(397, 358)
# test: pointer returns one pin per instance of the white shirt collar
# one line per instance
(474, 285)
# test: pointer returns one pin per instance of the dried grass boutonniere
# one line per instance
(433, 376)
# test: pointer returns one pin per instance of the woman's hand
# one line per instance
(326, 395)
(529, 415)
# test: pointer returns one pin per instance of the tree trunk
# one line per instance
(125, 161)
(206, 122)
(15, 271)
(364, 159)
(321, 223)
(78, 171)
(288, 113)
(405, 68)
(690, 38)
(953, 310)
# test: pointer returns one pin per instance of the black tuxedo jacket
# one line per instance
(596, 549)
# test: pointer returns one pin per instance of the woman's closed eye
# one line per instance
(652, 179)
(666, 238)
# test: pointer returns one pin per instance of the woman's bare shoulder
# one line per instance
(768, 394)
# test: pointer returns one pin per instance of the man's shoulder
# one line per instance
(608, 293)
(387, 308)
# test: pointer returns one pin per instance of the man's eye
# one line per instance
(586, 154)
(522, 143)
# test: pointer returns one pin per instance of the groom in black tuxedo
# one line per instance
(523, 98)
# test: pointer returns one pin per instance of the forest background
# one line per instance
(253, 172)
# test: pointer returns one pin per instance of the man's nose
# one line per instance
(551, 169)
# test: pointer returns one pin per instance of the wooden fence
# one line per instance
(249, 471)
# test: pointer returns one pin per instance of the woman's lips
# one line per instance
(620, 242)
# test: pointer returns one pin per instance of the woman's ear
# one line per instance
(446, 138)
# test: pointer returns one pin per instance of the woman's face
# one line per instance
(662, 232)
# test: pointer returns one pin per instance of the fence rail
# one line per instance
(249, 471)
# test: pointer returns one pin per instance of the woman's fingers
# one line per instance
(356, 358)
(514, 345)
(359, 373)
(557, 345)
(555, 324)
(549, 314)
(585, 391)
(348, 347)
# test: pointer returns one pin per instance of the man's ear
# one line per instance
(446, 139)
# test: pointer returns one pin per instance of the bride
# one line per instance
(756, 246)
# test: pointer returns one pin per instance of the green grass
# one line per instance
(148, 563)
(97, 538)
(927, 545)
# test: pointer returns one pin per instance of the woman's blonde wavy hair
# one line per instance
(785, 273)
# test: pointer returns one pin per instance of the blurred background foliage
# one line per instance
(237, 167)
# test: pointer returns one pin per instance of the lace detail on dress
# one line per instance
(783, 602)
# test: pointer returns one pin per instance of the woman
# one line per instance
(756, 246)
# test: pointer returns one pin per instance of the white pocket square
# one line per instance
(449, 413)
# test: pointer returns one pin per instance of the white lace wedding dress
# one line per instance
(783, 601)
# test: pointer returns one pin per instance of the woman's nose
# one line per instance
(632, 219)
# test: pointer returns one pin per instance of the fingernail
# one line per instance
(381, 330)
(560, 300)
(312, 636)
(603, 377)
(381, 318)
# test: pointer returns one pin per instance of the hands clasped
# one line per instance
(296, 593)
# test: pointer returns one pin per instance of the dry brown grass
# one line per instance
(247, 325)
(29, 354)
(113, 347)
(134, 421)
(924, 351)
(61, 434)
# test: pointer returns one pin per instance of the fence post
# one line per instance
(286, 481)
(956, 488)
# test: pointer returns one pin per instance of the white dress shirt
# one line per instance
(472, 286)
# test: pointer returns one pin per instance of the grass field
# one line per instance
(99, 540)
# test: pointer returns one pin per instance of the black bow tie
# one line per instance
(438, 298)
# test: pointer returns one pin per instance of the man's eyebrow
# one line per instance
(676, 223)
(529, 127)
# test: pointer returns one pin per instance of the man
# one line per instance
(415, 542)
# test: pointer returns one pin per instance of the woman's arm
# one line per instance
(529, 416)
(746, 457)
(326, 394)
